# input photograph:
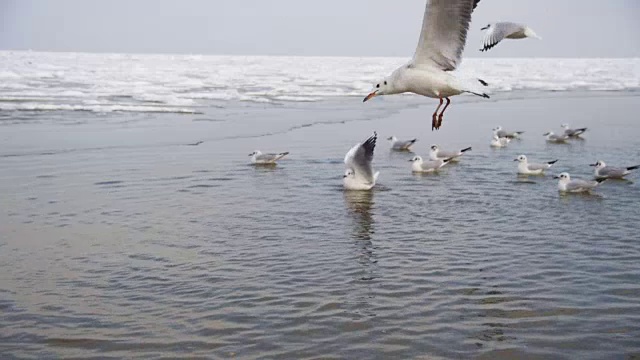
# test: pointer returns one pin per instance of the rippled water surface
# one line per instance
(117, 239)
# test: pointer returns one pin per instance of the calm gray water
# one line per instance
(119, 240)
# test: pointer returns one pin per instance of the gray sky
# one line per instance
(569, 28)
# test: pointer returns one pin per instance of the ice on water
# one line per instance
(183, 83)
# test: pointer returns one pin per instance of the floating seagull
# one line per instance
(436, 154)
(527, 168)
(608, 172)
(551, 137)
(565, 184)
(572, 132)
(506, 134)
(258, 158)
(421, 166)
(442, 39)
(505, 30)
(401, 145)
(359, 174)
(499, 142)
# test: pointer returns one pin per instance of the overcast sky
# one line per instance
(569, 28)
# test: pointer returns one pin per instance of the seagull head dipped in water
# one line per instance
(439, 51)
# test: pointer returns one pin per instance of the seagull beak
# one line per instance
(485, 28)
(593, 164)
(515, 159)
(344, 176)
(410, 160)
(370, 96)
(556, 177)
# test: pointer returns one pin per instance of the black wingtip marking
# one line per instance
(552, 162)
(475, 93)
(483, 82)
(466, 149)
(601, 180)
(633, 167)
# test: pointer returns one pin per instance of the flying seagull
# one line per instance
(505, 30)
(442, 39)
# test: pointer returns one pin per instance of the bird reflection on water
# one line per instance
(360, 205)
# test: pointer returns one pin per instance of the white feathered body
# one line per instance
(426, 81)
(358, 183)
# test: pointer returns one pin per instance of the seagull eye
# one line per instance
(385, 82)
(377, 86)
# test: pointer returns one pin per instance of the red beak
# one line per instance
(370, 96)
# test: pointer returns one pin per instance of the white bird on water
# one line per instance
(565, 184)
(505, 30)
(508, 134)
(572, 132)
(436, 154)
(401, 145)
(551, 137)
(258, 158)
(499, 142)
(439, 51)
(527, 168)
(603, 171)
(359, 174)
(420, 166)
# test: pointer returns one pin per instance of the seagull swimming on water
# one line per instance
(258, 158)
(565, 184)
(505, 30)
(551, 137)
(507, 134)
(401, 145)
(574, 133)
(420, 166)
(439, 51)
(603, 171)
(499, 142)
(359, 174)
(527, 168)
(436, 154)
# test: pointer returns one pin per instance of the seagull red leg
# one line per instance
(440, 116)
(434, 121)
